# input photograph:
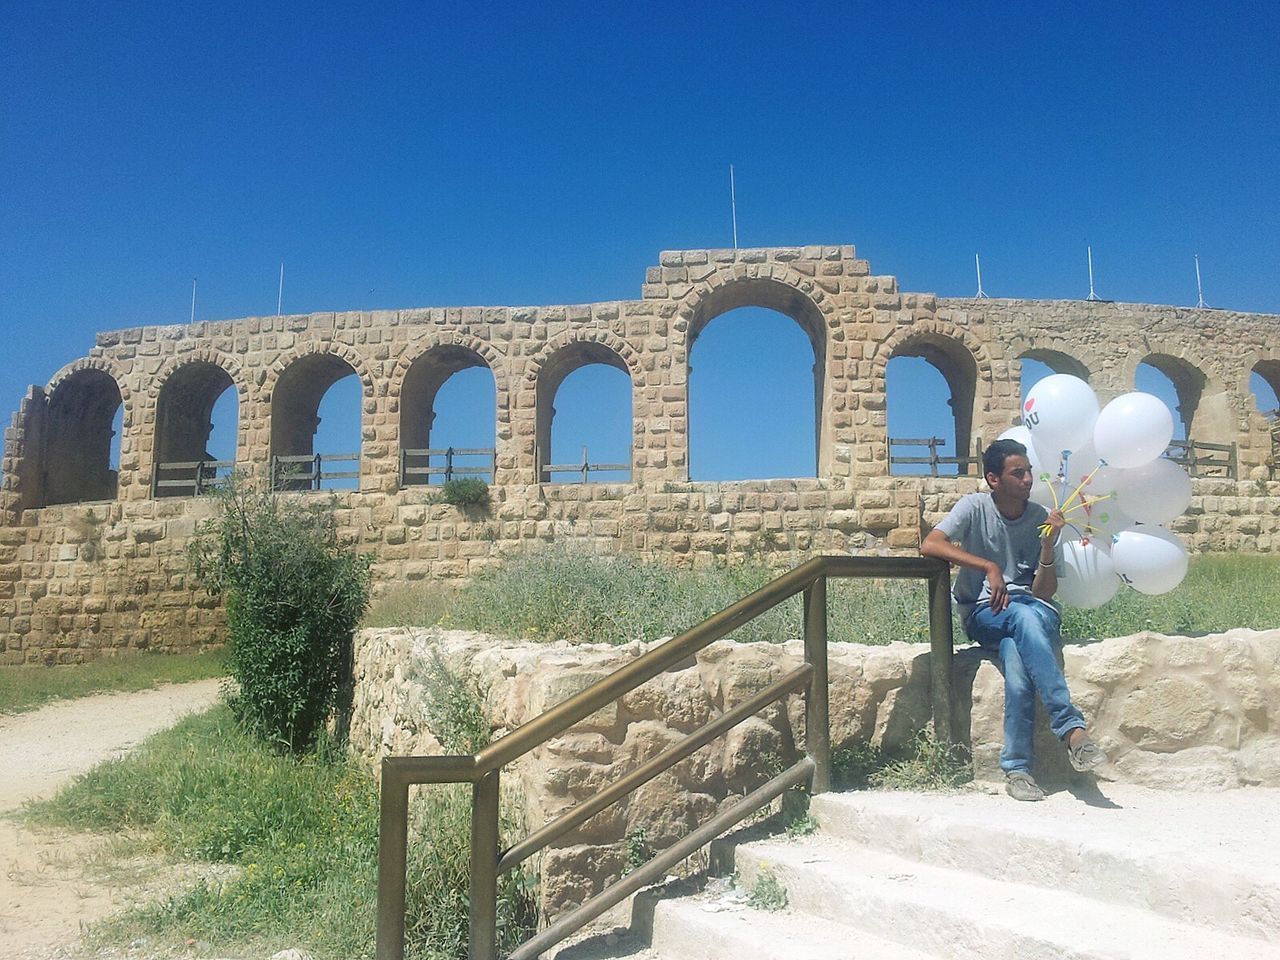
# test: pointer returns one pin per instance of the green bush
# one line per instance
(293, 597)
(467, 492)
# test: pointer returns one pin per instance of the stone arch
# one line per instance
(182, 401)
(773, 287)
(1203, 404)
(965, 365)
(284, 361)
(485, 352)
(561, 357)
(1268, 368)
(1057, 361)
(295, 385)
(418, 380)
(83, 398)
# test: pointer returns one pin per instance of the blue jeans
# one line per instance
(1026, 636)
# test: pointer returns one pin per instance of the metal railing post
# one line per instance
(317, 468)
(393, 838)
(817, 722)
(483, 943)
(940, 649)
(448, 464)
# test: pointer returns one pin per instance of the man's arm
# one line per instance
(1045, 583)
(937, 545)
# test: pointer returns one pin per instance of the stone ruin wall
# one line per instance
(91, 562)
(1171, 712)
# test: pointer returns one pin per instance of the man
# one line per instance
(1004, 591)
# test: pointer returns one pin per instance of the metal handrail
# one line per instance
(482, 770)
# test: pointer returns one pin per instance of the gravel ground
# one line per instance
(46, 894)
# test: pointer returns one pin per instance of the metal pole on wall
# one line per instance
(193, 299)
(733, 206)
(280, 290)
(1199, 289)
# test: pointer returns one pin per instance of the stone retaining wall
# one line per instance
(1171, 711)
(81, 580)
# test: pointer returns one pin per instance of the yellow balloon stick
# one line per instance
(1083, 484)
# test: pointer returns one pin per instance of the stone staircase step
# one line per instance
(955, 913)
(699, 928)
(1182, 856)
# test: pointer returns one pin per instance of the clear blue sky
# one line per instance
(407, 154)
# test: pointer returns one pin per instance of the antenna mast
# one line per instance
(1092, 295)
(733, 206)
(193, 299)
(280, 290)
(981, 294)
(1199, 289)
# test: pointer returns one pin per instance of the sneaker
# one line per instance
(1086, 755)
(1022, 786)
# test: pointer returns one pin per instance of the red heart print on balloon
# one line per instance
(1031, 401)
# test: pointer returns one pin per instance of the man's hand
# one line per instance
(1055, 522)
(996, 587)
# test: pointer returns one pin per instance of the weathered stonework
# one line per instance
(61, 599)
(1171, 712)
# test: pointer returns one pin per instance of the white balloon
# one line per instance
(1060, 412)
(1101, 522)
(1133, 429)
(1155, 492)
(1023, 436)
(1086, 576)
(1080, 464)
(1149, 559)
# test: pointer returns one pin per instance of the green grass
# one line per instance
(560, 594)
(27, 687)
(300, 835)
(1219, 593)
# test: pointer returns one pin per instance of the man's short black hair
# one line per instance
(1000, 451)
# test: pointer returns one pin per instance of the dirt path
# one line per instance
(45, 895)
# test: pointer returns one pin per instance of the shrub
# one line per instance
(293, 597)
(767, 892)
(467, 492)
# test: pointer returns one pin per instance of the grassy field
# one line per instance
(559, 594)
(27, 687)
(297, 840)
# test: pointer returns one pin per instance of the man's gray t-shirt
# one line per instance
(981, 529)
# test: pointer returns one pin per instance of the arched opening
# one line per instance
(759, 356)
(315, 425)
(1264, 384)
(448, 414)
(82, 455)
(1180, 385)
(930, 385)
(189, 454)
(584, 416)
(751, 402)
(1038, 364)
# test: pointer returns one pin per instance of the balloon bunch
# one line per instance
(1122, 489)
